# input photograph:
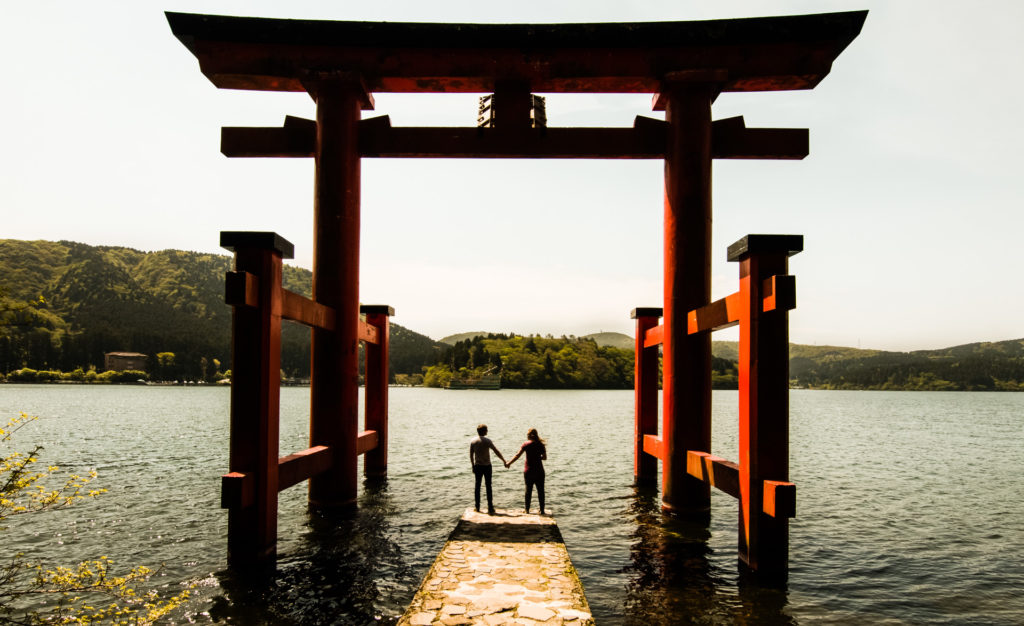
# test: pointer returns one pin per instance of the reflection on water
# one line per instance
(344, 569)
(347, 569)
(673, 581)
(670, 574)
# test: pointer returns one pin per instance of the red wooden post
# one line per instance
(375, 463)
(686, 365)
(645, 389)
(334, 375)
(764, 398)
(255, 393)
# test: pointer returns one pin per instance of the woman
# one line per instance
(536, 452)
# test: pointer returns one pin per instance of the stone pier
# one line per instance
(508, 568)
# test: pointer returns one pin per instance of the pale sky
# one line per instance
(909, 203)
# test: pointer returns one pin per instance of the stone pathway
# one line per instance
(509, 568)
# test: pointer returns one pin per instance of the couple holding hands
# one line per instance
(480, 457)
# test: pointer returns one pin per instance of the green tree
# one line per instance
(437, 376)
(165, 366)
(89, 592)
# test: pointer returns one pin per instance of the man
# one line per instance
(480, 457)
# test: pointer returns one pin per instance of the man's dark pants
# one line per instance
(483, 471)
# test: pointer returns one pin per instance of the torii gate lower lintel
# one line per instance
(685, 65)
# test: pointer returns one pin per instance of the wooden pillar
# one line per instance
(645, 389)
(764, 397)
(375, 463)
(334, 375)
(686, 360)
(255, 395)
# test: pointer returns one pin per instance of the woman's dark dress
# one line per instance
(533, 472)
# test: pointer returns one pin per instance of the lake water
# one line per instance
(910, 505)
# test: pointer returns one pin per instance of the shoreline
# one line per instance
(396, 386)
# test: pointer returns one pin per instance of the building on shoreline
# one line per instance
(121, 361)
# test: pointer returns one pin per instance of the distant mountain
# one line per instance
(615, 340)
(726, 350)
(451, 340)
(828, 353)
(64, 304)
(985, 366)
(729, 350)
(969, 367)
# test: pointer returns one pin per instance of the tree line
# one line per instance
(974, 367)
(547, 362)
(535, 362)
(63, 305)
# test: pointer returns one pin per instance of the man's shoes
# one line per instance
(477, 509)
(491, 512)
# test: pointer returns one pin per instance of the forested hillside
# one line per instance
(997, 366)
(615, 340)
(451, 340)
(536, 362)
(64, 304)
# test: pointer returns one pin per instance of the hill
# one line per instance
(64, 304)
(970, 367)
(534, 362)
(614, 340)
(451, 340)
(985, 366)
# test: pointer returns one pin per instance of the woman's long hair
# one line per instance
(533, 436)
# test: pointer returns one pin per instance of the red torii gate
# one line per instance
(684, 64)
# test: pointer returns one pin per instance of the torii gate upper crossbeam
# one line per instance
(758, 54)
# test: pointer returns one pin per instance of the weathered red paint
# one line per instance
(655, 336)
(255, 394)
(779, 498)
(645, 407)
(237, 490)
(686, 364)
(298, 466)
(716, 471)
(305, 311)
(654, 446)
(249, 490)
(730, 139)
(763, 398)
(375, 463)
(759, 54)
(366, 441)
(334, 374)
(760, 479)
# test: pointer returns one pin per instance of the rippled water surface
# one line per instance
(910, 505)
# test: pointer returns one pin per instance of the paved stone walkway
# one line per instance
(509, 568)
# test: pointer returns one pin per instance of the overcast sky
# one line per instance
(909, 202)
